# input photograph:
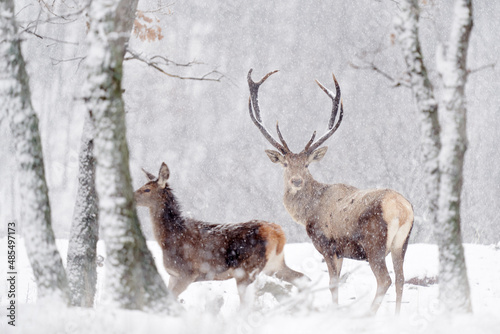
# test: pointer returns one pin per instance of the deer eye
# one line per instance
(307, 165)
(147, 190)
(285, 165)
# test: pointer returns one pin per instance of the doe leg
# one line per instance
(242, 285)
(289, 275)
(178, 284)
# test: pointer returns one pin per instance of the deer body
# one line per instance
(341, 220)
(347, 209)
(196, 251)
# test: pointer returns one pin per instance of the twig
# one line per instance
(481, 68)
(160, 9)
(46, 37)
(59, 61)
(156, 66)
(170, 62)
(371, 66)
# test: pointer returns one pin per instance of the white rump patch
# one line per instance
(392, 232)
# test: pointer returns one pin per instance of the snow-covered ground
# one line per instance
(212, 307)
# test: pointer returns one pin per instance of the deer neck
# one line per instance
(167, 218)
(303, 204)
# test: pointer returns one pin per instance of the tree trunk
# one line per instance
(132, 279)
(454, 290)
(82, 247)
(35, 214)
(443, 147)
(430, 144)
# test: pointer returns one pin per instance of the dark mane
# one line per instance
(171, 214)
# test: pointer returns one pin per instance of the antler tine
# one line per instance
(253, 101)
(281, 137)
(310, 147)
(335, 99)
(263, 130)
(329, 133)
(310, 141)
(254, 91)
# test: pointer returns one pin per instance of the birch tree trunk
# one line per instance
(454, 287)
(82, 248)
(15, 98)
(430, 144)
(132, 279)
(444, 146)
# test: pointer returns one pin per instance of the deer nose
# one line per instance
(297, 182)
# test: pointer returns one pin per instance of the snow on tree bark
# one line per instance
(406, 25)
(132, 279)
(443, 146)
(82, 247)
(35, 216)
(451, 64)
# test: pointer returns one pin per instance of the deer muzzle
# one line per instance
(296, 182)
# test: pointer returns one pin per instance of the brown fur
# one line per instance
(275, 237)
(199, 251)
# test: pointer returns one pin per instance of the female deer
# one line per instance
(197, 251)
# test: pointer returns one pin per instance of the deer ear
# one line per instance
(275, 156)
(150, 176)
(318, 154)
(163, 175)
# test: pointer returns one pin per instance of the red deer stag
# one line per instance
(196, 251)
(342, 221)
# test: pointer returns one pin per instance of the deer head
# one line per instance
(150, 194)
(296, 165)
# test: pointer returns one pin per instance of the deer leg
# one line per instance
(381, 273)
(287, 274)
(294, 277)
(397, 260)
(398, 256)
(334, 264)
(178, 284)
(242, 284)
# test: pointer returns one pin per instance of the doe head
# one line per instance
(151, 193)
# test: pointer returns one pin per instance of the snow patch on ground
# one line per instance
(213, 307)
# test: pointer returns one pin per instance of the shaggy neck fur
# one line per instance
(303, 203)
(167, 218)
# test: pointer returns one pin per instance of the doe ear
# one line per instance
(275, 156)
(150, 176)
(318, 154)
(163, 175)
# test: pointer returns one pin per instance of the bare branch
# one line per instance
(168, 62)
(213, 75)
(160, 10)
(482, 68)
(26, 30)
(372, 67)
(55, 61)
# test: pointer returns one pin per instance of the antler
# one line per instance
(310, 147)
(255, 112)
